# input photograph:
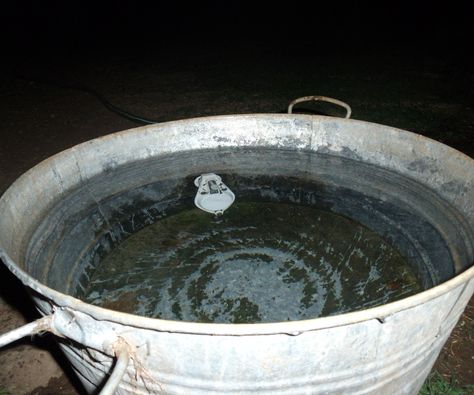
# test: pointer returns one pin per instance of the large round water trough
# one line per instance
(59, 219)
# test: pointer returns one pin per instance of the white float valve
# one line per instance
(213, 195)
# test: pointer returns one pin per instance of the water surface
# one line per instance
(260, 262)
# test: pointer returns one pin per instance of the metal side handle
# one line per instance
(120, 349)
(40, 325)
(123, 354)
(321, 98)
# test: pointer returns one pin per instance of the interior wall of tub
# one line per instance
(62, 217)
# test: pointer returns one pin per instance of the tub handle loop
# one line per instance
(120, 348)
(123, 355)
(33, 328)
(321, 98)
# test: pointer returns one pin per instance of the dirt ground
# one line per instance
(425, 93)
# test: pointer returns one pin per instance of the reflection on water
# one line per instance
(260, 262)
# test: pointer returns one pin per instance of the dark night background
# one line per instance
(404, 64)
(76, 22)
(39, 30)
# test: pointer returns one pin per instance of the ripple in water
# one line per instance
(260, 262)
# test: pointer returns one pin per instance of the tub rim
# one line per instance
(379, 313)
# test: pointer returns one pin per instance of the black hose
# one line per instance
(97, 95)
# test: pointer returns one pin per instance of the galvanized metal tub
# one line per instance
(388, 349)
